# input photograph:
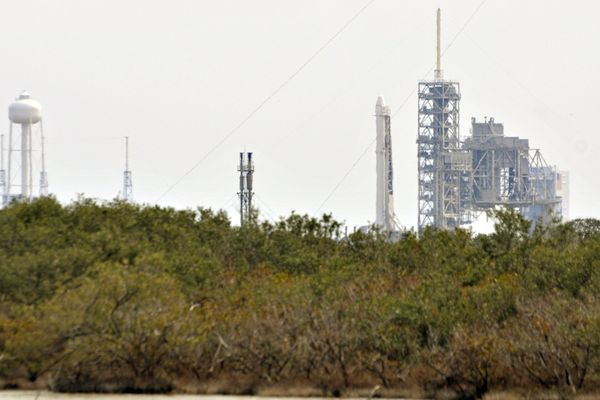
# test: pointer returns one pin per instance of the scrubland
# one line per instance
(122, 297)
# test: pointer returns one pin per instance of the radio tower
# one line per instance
(127, 181)
(246, 169)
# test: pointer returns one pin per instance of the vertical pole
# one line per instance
(2, 173)
(438, 69)
(30, 143)
(43, 150)
(127, 193)
(9, 170)
(249, 184)
(126, 153)
(125, 173)
(25, 161)
(43, 173)
(242, 189)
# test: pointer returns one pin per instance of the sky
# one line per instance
(178, 76)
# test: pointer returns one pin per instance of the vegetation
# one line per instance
(125, 297)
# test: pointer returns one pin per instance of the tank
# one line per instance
(25, 110)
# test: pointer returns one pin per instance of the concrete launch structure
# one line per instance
(26, 113)
(385, 217)
(458, 180)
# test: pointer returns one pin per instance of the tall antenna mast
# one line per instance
(43, 173)
(438, 73)
(127, 181)
(246, 169)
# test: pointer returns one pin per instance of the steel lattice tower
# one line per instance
(443, 166)
(246, 169)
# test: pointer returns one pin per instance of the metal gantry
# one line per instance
(501, 171)
(458, 180)
(444, 167)
(500, 166)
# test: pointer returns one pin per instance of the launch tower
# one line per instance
(458, 180)
(444, 168)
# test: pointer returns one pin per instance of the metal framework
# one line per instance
(246, 170)
(457, 180)
(507, 172)
(444, 167)
(545, 202)
(500, 166)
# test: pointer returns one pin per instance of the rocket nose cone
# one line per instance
(380, 101)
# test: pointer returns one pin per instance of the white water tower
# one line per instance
(27, 113)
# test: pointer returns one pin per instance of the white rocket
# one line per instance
(385, 216)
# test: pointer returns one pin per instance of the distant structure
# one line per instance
(385, 217)
(457, 180)
(507, 172)
(43, 173)
(246, 169)
(443, 166)
(127, 179)
(562, 190)
(2, 172)
(26, 113)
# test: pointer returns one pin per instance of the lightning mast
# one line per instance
(127, 181)
(438, 73)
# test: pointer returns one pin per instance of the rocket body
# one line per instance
(384, 209)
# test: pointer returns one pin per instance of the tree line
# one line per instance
(117, 296)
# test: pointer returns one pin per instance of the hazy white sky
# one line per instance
(178, 75)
